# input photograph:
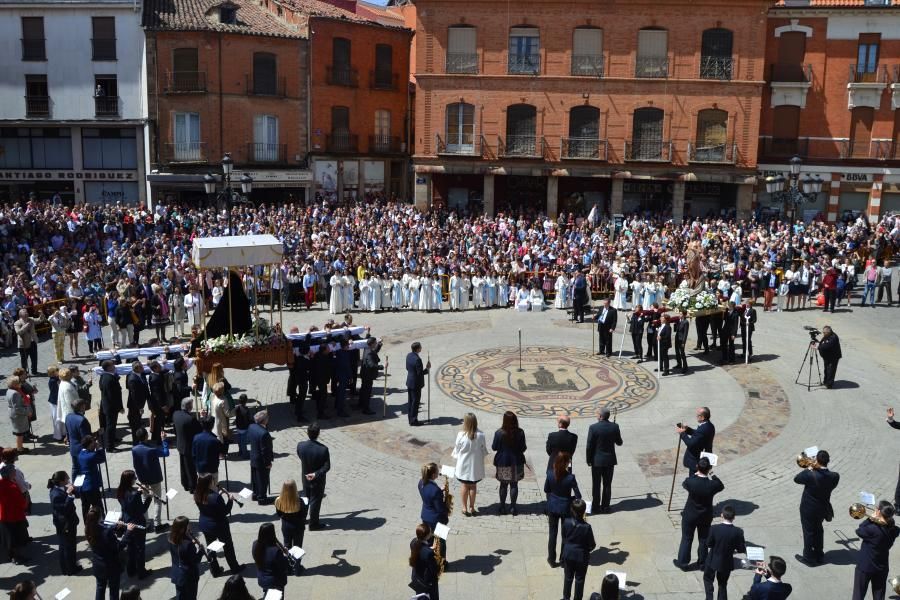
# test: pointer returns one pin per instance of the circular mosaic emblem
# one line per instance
(552, 380)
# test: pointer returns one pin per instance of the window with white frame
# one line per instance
(265, 138)
(186, 136)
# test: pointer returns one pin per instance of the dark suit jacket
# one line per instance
(749, 322)
(682, 329)
(636, 324)
(260, 441)
(817, 487)
(206, 449)
(697, 441)
(701, 490)
(186, 427)
(370, 364)
(612, 316)
(560, 441)
(314, 458)
(723, 541)
(76, 428)
(343, 365)
(138, 391)
(664, 335)
(110, 393)
(769, 590)
(273, 572)
(560, 493)
(830, 347)
(876, 544)
(730, 323)
(603, 437)
(434, 510)
(185, 562)
(415, 372)
(578, 541)
(146, 461)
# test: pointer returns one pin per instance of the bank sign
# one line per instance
(55, 175)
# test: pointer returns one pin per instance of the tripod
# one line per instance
(810, 356)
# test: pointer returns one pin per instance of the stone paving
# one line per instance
(372, 506)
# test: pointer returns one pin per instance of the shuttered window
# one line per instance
(653, 43)
(462, 56)
(460, 127)
(587, 52)
(712, 128)
(785, 128)
(861, 131)
(265, 74)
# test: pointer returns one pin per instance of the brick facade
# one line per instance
(614, 90)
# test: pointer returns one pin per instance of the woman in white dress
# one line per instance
(621, 289)
(425, 294)
(414, 284)
(396, 293)
(437, 294)
(405, 281)
(637, 290)
(522, 300)
(455, 291)
(490, 286)
(562, 291)
(466, 288)
(374, 293)
(502, 290)
(364, 294)
(336, 300)
(469, 450)
(477, 291)
(349, 283)
(386, 292)
(217, 293)
(649, 292)
(536, 299)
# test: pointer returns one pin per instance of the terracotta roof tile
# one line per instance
(201, 15)
(834, 4)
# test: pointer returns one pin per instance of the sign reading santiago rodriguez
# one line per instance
(57, 175)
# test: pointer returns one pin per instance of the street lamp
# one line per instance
(228, 196)
(797, 191)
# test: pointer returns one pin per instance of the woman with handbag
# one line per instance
(509, 445)
(18, 412)
(559, 487)
(469, 452)
(578, 542)
(425, 572)
(65, 519)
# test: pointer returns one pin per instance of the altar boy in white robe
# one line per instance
(455, 291)
(502, 290)
(437, 296)
(396, 292)
(425, 294)
(364, 294)
(386, 292)
(477, 291)
(415, 285)
(336, 301)
(466, 288)
(374, 293)
(621, 291)
(349, 283)
(536, 299)
(562, 291)
(523, 300)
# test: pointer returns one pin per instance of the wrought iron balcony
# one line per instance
(185, 81)
(521, 146)
(34, 49)
(524, 64)
(385, 144)
(344, 76)
(342, 142)
(382, 80)
(716, 67)
(794, 73)
(266, 153)
(861, 74)
(266, 86)
(469, 145)
(37, 106)
(649, 150)
(103, 48)
(462, 62)
(784, 147)
(587, 65)
(583, 148)
(106, 106)
(185, 152)
(717, 153)
(651, 67)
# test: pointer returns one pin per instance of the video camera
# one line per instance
(813, 333)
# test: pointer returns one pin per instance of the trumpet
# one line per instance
(231, 496)
(448, 497)
(147, 491)
(859, 510)
(804, 461)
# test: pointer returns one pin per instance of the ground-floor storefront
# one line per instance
(352, 179)
(97, 163)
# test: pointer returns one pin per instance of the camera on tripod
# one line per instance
(809, 358)
(813, 333)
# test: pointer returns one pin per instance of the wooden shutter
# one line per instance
(184, 60)
(861, 131)
(587, 42)
(461, 40)
(104, 28)
(340, 53)
(791, 48)
(653, 43)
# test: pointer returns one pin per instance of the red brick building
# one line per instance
(561, 106)
(226, 77)
(832, 98)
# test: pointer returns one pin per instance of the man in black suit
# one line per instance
(415, 381)
(650, 317)
(724, 540)
(682, 329)
(603, 437)
(772, 588)
(890, 420)
(110, 403)
(322, 368)
(606, 324)
(371, 365)
(697, 514)
(730, 324)
(261, 456)
(138, 394)
(815, 507)
(207, 450)
(580, 298)
(636, 329)
(748, 326)
(315, 463)
(701, 324)
(664, 342)
(697, 440)
(561, 440)
(298, 376)
(878, 535)
(186, 428)
(830, 349)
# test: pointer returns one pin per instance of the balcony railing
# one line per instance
(264, 86)
(649, 150)
(524, 64)
(470, 145)
(385, 144)
(106, 106)
(104, 48)
(34, 49)
(886, 149)
(37, 106)
(382, 80)
(518, 146)
(185, 81)
(651, 67)
(895, 77)
(583, 148)
(458, 62)
(587, 65)
(790, 73)
(344, 76)
(716, 67)
(860, 74)
(185, 152)
(342, 142)
(266, 153)
(859, 150)
(718, 153)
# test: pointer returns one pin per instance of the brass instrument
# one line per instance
(859, 510)
(895, 584)
(438, 557)
(448, 497)
(804, 461)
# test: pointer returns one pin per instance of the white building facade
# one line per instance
(73, 102)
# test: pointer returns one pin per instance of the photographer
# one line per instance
(771, 588)
(829, 348)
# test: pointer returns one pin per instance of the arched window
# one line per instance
(521, 123)
(647, 134)
(524, 51)
(460, 128)
(712, 136)
(584, 133)
(715, 54)
(652, 53)
(265, 74)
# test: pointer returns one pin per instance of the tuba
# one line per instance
(804, 461)
(438, 557)
(448, 497)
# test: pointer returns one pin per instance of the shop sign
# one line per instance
(297, 176)
(643, 187)
(703, 188)
(856, 177)
(56, 175)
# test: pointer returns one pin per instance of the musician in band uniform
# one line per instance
(636, 329)
(815, 507)
(106, 547)
(725, 539)
(186, 556)
(697, 440)
(214, 511)
(878, 534)
(603, 437)
(434, 504)
(146, 464)
(697, 514)
(134, 504)
(271, 563)
(186, 429)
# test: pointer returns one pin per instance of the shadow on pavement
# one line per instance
(476, 563)
(341, 568)
(604, 556)
(632, 504)
(352, 521)
(742, 508)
